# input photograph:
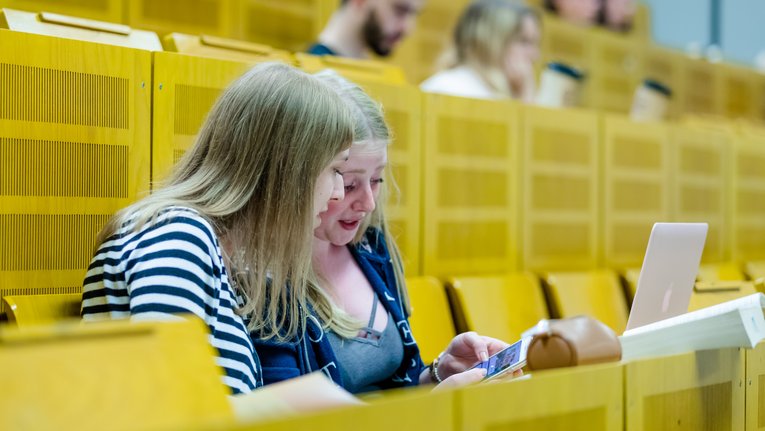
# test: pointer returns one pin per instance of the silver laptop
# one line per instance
(669, 271)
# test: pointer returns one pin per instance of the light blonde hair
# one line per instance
(371, 135)
(252, 173)
(483, 32)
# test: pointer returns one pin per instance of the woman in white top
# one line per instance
(496, 43)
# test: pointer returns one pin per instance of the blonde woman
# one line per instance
(232, 227)
(496, 43)
(369, 345)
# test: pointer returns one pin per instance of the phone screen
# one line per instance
(509, 359)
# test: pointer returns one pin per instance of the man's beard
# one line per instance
(374, 37)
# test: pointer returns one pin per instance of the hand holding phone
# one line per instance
(507, 360)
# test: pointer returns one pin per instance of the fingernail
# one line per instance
(484, 356)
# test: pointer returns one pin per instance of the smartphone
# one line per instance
(506, 360)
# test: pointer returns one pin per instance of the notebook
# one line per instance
(669, 271)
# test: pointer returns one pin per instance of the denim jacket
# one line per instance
(313, 351)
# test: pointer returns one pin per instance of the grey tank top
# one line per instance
(365, 361)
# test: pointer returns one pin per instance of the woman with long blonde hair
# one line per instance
(495, 46)
(369, 344)
(228, 237)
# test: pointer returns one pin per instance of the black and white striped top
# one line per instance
(171, 266)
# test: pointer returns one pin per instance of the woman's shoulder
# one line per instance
(171, 225)
(442, 78)
(460, 81)
(171, 218)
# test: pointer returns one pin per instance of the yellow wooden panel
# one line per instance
(403, 110)
(215, 17)
(598, 294)
(615, 71)
(85, 376)
(701, 94)
(725, 271)
(77, 28)
(694, 391)
(641, 24)
(185, 88)
(431, 318)
(738, 96)
(635, 181)
(286, 24)
(561, 197)
(666, 67)
(7, 292)
(501, 306)
(102, 10)
(759, 89)
(567, 43)
(224, 49)
(407, 57)
(700, 178)
(755, 269)
(360, 71)
(570, 44)
(705, 293)
(748, 195)
(401, 410)
(469, 191)
(582, 398)
(27, 310)
(755, 388)
(74, 148)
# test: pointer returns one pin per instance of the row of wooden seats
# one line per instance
(162, 376)
(503, 187)
(290, 24)
(616, 64)
(419, 53)
(504, 306)
(501, 306)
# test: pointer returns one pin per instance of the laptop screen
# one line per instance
(669, 271)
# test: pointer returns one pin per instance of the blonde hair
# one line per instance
(484, 31)
(252, 173)
(371, 135)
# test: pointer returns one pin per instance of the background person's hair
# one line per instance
(371, 135)
(252, 173)
(483, 32)
(602, 20)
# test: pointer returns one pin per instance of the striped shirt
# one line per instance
(170, 266)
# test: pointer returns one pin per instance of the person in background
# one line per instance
(495, 47)
(617, 15)
(368, 345)
(363, 27)
(579, 12)
(228, 237)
